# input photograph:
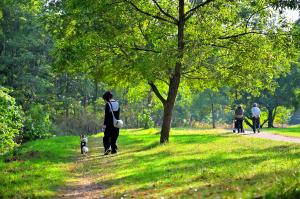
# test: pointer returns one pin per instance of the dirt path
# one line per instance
(84, 184)
(272, 136)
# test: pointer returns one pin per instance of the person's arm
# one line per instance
(106, 114)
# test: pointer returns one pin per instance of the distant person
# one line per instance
(239, 118)
(255, 117)
(111, 133)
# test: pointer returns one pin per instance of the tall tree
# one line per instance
(166, 43)
(24, 52)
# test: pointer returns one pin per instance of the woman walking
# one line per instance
(239, 118)
(111, 133)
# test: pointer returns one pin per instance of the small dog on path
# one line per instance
(83, 144)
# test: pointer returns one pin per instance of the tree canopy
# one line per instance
(208, 44)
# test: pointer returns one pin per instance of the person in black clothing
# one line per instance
(111, 133)
(239, 117)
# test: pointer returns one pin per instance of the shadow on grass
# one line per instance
(161, 171)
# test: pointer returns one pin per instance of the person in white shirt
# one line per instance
(255, 118)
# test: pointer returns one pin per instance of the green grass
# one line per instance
(292, 131)
(197, 164)
(39, 168)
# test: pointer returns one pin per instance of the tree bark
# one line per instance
(271, 115)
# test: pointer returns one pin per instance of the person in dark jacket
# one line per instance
(239, 117)
(111, 133)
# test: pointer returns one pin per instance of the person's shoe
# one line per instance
(258, 131)
(113, 151)
(106, 152)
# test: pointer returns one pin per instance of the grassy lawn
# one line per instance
(38, 168)
(197, 163)
(292, 131)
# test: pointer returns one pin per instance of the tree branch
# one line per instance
(248, 122)
(148, 14)
(264, 122)
(157, 93)
(164, 12)
(190, 13)
(241, 34)
(144, 49)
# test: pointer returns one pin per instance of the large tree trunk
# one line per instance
(271, 116)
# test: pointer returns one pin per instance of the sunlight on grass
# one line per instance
(39, 168)
(197, 163)
(292, 131)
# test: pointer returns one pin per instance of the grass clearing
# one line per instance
(292, 131)
(197, 163)
(38, 168)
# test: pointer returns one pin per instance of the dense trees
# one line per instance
(166, 43)
(58, 57)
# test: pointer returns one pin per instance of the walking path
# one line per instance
(271, 136)
(85, 183)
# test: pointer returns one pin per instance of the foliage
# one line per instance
(283, 115)
(167, 44)
(37, 123)
(11, 120)
(24, 47)
(145, 119)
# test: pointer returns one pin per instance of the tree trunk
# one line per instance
(213, 116)
(166, 125)
(271, 114)
(174, 80)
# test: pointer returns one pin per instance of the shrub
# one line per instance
(11, 120)
(37, 123)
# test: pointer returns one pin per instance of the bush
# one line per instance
(11, 120)
(37, 123)
(145, 119)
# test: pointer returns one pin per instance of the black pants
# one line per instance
(111, 135)
(239, 125)
(256, 123)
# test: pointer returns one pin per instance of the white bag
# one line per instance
(117, 123)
